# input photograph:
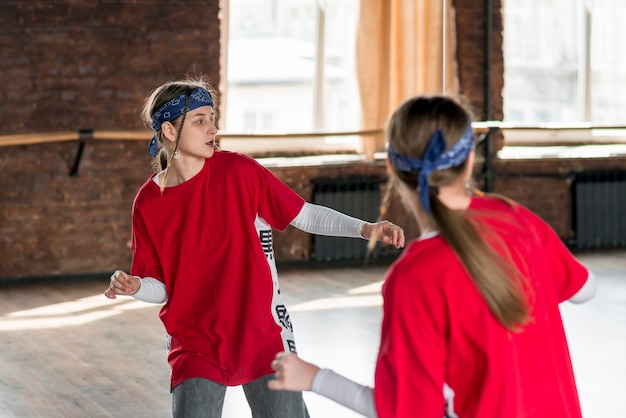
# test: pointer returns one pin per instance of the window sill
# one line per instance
(516, 152)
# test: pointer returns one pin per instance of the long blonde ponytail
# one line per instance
(494, 273)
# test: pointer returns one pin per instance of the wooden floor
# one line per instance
(67, 351)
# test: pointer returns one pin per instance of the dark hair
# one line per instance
(498, 279)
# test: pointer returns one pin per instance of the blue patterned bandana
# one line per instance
(175, 108)
(435, 159)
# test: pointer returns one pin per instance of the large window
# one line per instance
(290, 66)
(564, 61)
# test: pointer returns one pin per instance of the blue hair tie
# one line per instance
(435, 159)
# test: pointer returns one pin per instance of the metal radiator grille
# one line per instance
(600, 209)
(355, 196)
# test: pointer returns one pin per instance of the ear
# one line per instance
(169, 131)
(389, 166)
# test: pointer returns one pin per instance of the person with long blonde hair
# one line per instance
(471, 324)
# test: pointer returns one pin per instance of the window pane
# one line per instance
(608, 62)
(342, 110)
(543, 55)
(272, 49)
(541, 61)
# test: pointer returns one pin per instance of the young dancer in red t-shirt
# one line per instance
(202, 245)
(471, 324)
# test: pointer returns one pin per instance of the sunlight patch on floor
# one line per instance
(78, 312)
(368, 288)
(339, 303)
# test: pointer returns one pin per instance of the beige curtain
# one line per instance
(399, 54)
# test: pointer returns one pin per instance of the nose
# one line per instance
(212, 128)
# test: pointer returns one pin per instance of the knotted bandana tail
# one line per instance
(435, 159)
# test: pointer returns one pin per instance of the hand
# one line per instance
(292, 373)
(122, 284)
(386, 232)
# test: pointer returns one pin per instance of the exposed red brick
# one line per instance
(70, 65)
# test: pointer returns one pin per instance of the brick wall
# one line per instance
(75, 64)
(481, 72)
(545, 185)
(473, 68)
(85, 65)
(79, 64)
(53, 224)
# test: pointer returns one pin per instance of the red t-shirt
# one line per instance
(438, 329)
(200, 239)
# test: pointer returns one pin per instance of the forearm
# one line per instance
(344, 391)
(151, 290)
(321, 220)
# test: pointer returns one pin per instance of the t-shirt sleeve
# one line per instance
(278, 203)
(145, 261)
(566, 273)
(410, 370)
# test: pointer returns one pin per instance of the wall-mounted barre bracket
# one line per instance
(485, 138)
(84, 135)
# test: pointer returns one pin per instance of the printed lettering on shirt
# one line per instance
(292, 346)
(448, 395)
(265, 236)
(283, 317)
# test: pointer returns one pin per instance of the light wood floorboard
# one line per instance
(67, 351)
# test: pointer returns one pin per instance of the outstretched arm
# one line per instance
(295, 374)
(322, 220)
(147, 289)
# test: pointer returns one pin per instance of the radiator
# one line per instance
(355, 196)
(600, 209)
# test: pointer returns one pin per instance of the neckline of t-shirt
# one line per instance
(179, 186)
(428, 235)
(431, 234)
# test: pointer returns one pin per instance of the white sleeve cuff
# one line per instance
(586, 292)
(151, 290)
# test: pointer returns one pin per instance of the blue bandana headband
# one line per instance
(174, 108)
(435, 159)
